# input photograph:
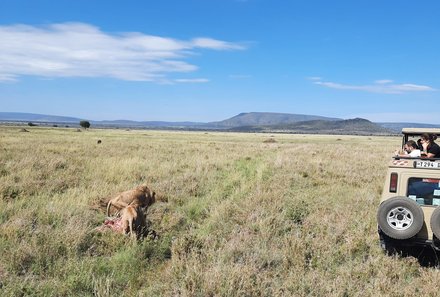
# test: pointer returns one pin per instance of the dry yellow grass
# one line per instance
(238, 216)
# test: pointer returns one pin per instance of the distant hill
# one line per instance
(243, 119)
(397, 127)
(350, 126)
(266, 118)
(43, 118)
(33, 117)
(151, 124)
(355, 126)
(251, 121)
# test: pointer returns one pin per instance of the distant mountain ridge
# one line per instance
(267, 118)
(242, 119)
(350, 126)
(397, 127)
(356, 126)
(251, 121)
(43, 118)
(27, 117)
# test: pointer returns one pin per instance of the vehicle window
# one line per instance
(425, 191)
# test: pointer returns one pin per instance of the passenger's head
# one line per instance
(410, 145)
(427, 137)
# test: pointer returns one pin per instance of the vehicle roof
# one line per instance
(419, 131)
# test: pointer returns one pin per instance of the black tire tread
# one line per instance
(435, 222)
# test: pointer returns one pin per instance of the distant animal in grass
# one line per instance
(99, 141)
(133, 221)
(141, 196)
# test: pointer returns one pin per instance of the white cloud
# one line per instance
(383, 81)
(215, 44)
(380, 86)
(314, 78)
(7, 78)
(192, 80)
(83, 50)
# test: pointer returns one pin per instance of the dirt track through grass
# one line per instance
(238, 215)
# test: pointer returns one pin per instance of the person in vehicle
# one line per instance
(419, 144)
(430, 148)
(410, 150)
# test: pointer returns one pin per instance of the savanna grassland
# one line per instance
(237, 215)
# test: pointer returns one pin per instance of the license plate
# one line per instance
(426, 164)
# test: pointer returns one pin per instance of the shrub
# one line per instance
(84, 124)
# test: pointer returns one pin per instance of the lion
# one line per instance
(141, 196)
(133, 221)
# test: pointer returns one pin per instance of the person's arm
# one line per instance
(434, 152)
(425, 150)
(415, 154)
(400, 153)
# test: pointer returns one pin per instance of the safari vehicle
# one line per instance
(409, 212)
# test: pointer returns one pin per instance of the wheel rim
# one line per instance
(400, 218)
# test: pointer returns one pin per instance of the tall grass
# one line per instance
(237, 215)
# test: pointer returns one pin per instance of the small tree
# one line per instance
(30, 124)
(84, 124)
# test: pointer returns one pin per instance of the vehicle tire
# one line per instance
(400, 217)
(435, 222)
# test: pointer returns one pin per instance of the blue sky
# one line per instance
(208, 60)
